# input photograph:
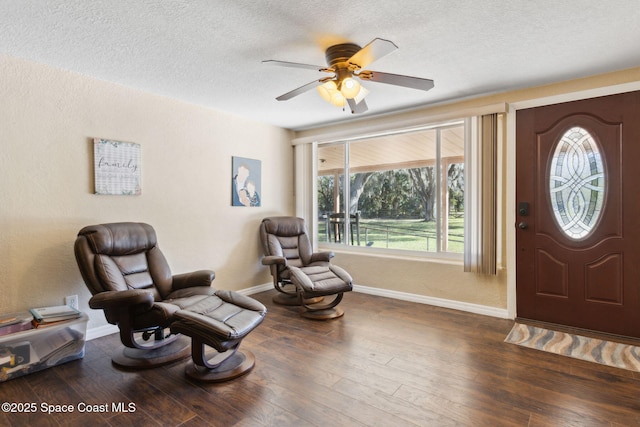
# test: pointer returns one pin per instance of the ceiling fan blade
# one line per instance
(300, 90)
(294, 65)
(376, 49)
(357, 107)
(397, 79)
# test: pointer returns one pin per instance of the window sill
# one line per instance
(433, 257)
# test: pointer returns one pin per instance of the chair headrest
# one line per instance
(121, 238)
(285, 226)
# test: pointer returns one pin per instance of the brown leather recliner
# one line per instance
(300, 273)
(131, 281)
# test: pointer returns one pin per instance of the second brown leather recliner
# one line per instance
(293, 264)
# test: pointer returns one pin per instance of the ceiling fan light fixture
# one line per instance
(348, 63)
(327, 89)
(350, 88)
(338, 99)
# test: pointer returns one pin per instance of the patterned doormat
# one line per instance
(608, 353)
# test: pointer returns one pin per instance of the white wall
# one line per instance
(48, 118)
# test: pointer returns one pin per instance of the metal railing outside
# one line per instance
(369, 233)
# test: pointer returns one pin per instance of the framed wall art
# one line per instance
(117, 167)
(246, 185)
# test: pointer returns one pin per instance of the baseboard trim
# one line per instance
(101, 331)
(502, 313)
(438, 302)
(256, 289)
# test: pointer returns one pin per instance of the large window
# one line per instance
(405, 191)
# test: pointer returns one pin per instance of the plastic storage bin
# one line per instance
(33, 350)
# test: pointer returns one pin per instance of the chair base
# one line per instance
(135, 358)
(235, 366)
(291, 300)
(323, 314)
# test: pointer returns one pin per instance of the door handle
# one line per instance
(523, 225)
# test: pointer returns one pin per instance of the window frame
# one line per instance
(345, 246)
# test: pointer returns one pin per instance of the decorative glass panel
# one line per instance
(577, 183)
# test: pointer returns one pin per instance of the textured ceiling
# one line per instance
(210, 52)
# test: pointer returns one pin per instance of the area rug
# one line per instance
(608, 353)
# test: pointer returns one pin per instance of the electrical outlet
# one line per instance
(71, 301)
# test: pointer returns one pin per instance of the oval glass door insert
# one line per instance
(577, 183)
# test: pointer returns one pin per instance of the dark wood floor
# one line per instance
(385, 363)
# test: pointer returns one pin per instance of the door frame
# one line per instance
(510, 154)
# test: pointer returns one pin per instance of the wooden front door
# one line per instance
(578, 214)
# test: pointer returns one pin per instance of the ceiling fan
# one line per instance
(346, 61)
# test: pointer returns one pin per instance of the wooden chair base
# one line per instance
(325, 311)
(135, 358)
(235, 366)
(324, 314)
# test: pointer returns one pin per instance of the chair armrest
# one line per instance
(321, 256)
(193, 279)
(241, 300)
(272, 260)
(117, 300)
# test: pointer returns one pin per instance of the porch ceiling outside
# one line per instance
(398, 151)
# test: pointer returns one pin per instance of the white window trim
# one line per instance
(387, 124)
(305, 155)
(306, 206)
(356, 249)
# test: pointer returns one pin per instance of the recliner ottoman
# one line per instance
(219, 321)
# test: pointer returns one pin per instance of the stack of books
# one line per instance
(45, 316)
(15, 322)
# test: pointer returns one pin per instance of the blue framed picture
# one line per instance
(246, 185)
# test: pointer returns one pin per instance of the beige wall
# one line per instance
(424, 278)
(445, 280)
(48, 118)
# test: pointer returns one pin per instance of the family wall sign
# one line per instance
(117, 167)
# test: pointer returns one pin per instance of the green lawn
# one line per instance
(414, 235)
